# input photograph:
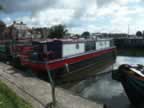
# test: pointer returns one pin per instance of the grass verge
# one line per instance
(9, 99)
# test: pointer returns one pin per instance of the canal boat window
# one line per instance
(70, 49)
(107, 44)
(101, 44)
(98, 45)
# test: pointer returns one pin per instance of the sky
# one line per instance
(111, 16)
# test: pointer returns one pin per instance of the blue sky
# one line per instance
(78, 15)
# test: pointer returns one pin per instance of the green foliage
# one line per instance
(57, 31)
(85, 34)
(8, 99)
(43, 31)
(138, 33)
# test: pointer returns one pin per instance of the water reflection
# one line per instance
(106, 90)
(129, 60)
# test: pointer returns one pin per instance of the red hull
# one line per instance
(52, 65)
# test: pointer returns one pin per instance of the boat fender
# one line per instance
(67, 68)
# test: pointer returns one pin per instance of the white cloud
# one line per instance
(80, 15)
(49, 17)
(123, 2)
(8, 20)
(12, 6)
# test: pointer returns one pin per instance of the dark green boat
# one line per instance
(132, 79)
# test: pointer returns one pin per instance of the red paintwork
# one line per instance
(23, 53)
(37, 66)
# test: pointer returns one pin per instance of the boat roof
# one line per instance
(68, 40)
(60, 40)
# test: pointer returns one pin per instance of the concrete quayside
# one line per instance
(38, 92)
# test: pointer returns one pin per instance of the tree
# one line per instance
(57, 31)
(139, 33)
(143, 33)
(43, 32)
(85, 34)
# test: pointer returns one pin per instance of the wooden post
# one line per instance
(52, 88)
(52, 83)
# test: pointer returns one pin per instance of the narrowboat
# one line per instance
(15, 40)
(132, 79)
(71, 57)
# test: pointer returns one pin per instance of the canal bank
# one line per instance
(38, 92)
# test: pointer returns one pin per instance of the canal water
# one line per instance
(105, 90)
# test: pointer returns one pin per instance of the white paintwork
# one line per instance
(107, 44)
(71, 49)
(99, 45)
(137, 72)
(102, 44)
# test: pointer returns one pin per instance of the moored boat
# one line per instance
(132, 79)
(63, 57)
(15, 40)
(71, 57)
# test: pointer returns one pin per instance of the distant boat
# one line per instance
(132, 79)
